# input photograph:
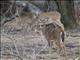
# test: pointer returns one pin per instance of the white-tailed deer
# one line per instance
(53, 29)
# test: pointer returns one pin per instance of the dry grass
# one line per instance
(23, 45)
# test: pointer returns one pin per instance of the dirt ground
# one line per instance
(18, 44)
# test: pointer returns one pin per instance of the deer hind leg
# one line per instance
(62, 43)
(60, 46)
(52, 46)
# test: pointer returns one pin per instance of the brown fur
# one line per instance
(54, 31)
